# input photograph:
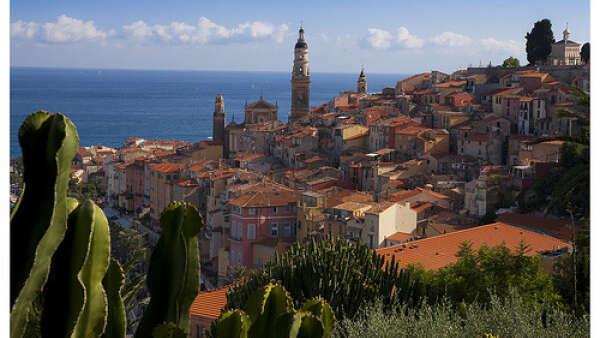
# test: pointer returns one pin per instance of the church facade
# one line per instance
(565, 52)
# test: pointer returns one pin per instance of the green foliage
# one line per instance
(539, 42)
(346, 275)
(39, 220)
(270, 313)
(496, 269)
(174, 273)
(563, 272)
(502, 317)
(168, 330)
(511, 62)
(75, 302)
(82, 191)
(116, 321)
(585, 52)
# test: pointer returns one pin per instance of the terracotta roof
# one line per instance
(450, 84)
(350, 206)
(208, 304)
(249, 157)
(551, 226)
(187, 183)
(509, 91)
(436, 252)
(267, 195)
(399, 237)
(166, 167)
(534, 74)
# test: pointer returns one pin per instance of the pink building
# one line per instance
(267, 212)
(135, 183)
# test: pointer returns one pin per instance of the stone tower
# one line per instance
(300, 80)
(361, 84)
(219, 119)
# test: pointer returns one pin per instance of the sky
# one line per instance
(383, 36)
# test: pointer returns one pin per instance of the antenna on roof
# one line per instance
(261, 93)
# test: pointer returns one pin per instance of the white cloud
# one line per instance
(65, 29)
(204, 32)
(381, 39)
(451, 39)
(506, 46)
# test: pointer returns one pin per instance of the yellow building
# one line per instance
(162, 176)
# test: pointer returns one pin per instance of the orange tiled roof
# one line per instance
(208, 304)
(267, 195)
(551, 226)
(436, 252)
(166, 167)
(399, 237)
(509, 91)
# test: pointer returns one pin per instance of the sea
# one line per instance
(108, 106)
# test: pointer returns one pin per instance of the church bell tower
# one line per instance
(361, 84)
(300, 80)
(219, 119)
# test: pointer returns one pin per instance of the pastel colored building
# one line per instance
(267, 212)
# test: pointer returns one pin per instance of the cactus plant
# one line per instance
(39, 220)
(75, 302)
(174, 273)
(270, 313)
(116, 321)
(346, 275)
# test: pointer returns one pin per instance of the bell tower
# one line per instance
(219, 119)
(300, 80)
(361, 84)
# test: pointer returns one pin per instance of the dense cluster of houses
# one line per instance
(409, 171)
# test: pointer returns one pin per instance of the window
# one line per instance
(274, 229)
(286, 229)
(260, 262)
(232, 256)
(239, 258)
(371, 241)
(275, 210)
(372, 226)
(226, 218)
(252, 211)
(233, 229)
(240, 231)
(251, 231)
(287, 208)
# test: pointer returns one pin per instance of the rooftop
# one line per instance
(436, 252)
(208, 304)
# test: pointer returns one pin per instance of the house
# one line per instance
(483, 194)
(548, 151)
(266, 211)
(206, 308)
(437, 252)
(499, 95)
(484, 146)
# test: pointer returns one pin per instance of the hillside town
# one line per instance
(412, 171)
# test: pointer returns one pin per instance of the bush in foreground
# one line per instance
(503, 317)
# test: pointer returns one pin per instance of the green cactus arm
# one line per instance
(174, 274)
(74, 299)
(310, 326)
(38, 223)
(116, 322)
(321, 309)
(234, 324)
(92, 320)
(265, 307)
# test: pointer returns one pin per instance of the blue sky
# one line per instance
(384, 36)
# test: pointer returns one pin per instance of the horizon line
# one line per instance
(198, 70)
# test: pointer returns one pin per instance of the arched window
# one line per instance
(300, 69)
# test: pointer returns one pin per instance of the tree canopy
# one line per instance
(539, 41)
(585, 52)
(511, 62)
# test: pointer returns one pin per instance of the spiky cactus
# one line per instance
(39, 220)
(75, 301)
(346, 275)
(60, 251)
(270, 313)
(174, 272)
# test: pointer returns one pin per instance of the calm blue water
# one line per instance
(107, 106)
